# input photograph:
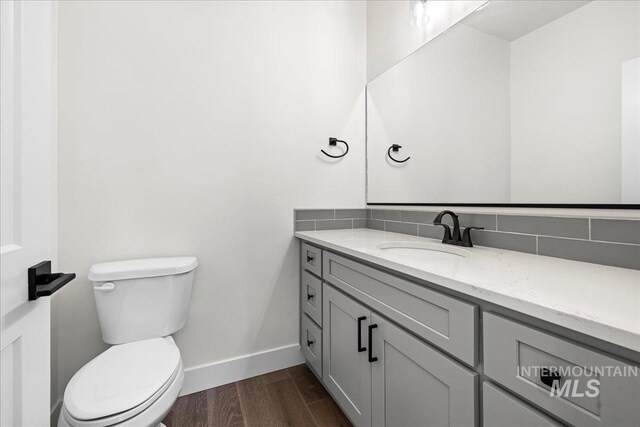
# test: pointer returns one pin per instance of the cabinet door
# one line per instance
(414, 384)
(346, 368)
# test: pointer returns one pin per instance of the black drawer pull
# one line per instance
(371, 357)
(360, 319)
(309, 296)
(309, 342)
(548, 377)
(310, 258)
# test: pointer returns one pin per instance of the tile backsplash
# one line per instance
(614, 242)
(329, 219)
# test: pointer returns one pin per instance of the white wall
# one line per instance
(447, 105)
(630, 151)
(194, 128)
(391, 36)
(572, 140)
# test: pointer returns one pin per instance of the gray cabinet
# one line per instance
(400, 376)
(591, 390)
(311, 344)
(311, 258)
(445, 322)
(346, 369)
(413, 384)
(311, 296)
(502, 410)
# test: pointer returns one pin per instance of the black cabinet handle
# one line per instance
(309, 342)
(309, 296)
(548, 377)
(360, 319)
(44, 283)
(371, 357)
(310, 257)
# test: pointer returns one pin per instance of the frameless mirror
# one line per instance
(521, 102)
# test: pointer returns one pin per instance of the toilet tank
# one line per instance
(143, 298)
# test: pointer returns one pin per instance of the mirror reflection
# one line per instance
(528, 102)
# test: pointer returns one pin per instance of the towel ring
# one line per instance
(333, 142)
(395, 148)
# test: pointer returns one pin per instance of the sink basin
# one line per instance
(424, 252)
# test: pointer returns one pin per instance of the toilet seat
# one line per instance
(123, 383)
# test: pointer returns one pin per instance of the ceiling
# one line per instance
(510, 20)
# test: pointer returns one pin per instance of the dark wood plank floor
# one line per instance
(290, 397)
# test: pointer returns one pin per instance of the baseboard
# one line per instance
(227, 371)
(55, 412)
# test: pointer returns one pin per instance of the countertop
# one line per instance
(596, 300)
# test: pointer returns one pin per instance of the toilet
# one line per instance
(140, 304)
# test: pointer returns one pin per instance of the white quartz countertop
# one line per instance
(596, 300)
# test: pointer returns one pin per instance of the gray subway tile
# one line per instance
(615, 230)
(350, 213)
(487, 221)
(302, 214)
(420, 217)
(305, 225)
(617, 255)
(360, 223)
(369, 213)
(546, 226)
(375, 224)
(508, 241)
(430, 231)
(334, 224)
(401, 227)
(385, 214)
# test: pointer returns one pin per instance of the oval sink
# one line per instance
(420, 251)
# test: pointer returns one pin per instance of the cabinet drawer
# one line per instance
(312, 344)
(443, 321)
(311, 296)
(311, 259)
(501, 410)
(593, 389)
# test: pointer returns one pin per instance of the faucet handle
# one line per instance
(466, 236)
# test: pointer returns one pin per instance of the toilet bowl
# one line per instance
(136, 381)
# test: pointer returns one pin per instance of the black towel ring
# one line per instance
(395, 148)
(334, 141)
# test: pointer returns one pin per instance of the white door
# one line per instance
(26, 135)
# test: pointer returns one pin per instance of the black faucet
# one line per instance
(456, 238)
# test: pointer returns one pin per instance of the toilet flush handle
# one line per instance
(105, 287)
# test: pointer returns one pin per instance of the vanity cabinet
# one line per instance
(311, 306)
(501, 410)
(414, 384)
(446, 322)
(347, 370)
(311, 344)
(394, 352)
(513, 352)
(311, 294)
(383, 376)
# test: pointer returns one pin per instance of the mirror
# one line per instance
(520, 103)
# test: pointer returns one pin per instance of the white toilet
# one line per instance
(134, 383)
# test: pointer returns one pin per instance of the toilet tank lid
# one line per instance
(141, 268)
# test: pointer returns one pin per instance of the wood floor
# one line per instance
(290, 397)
